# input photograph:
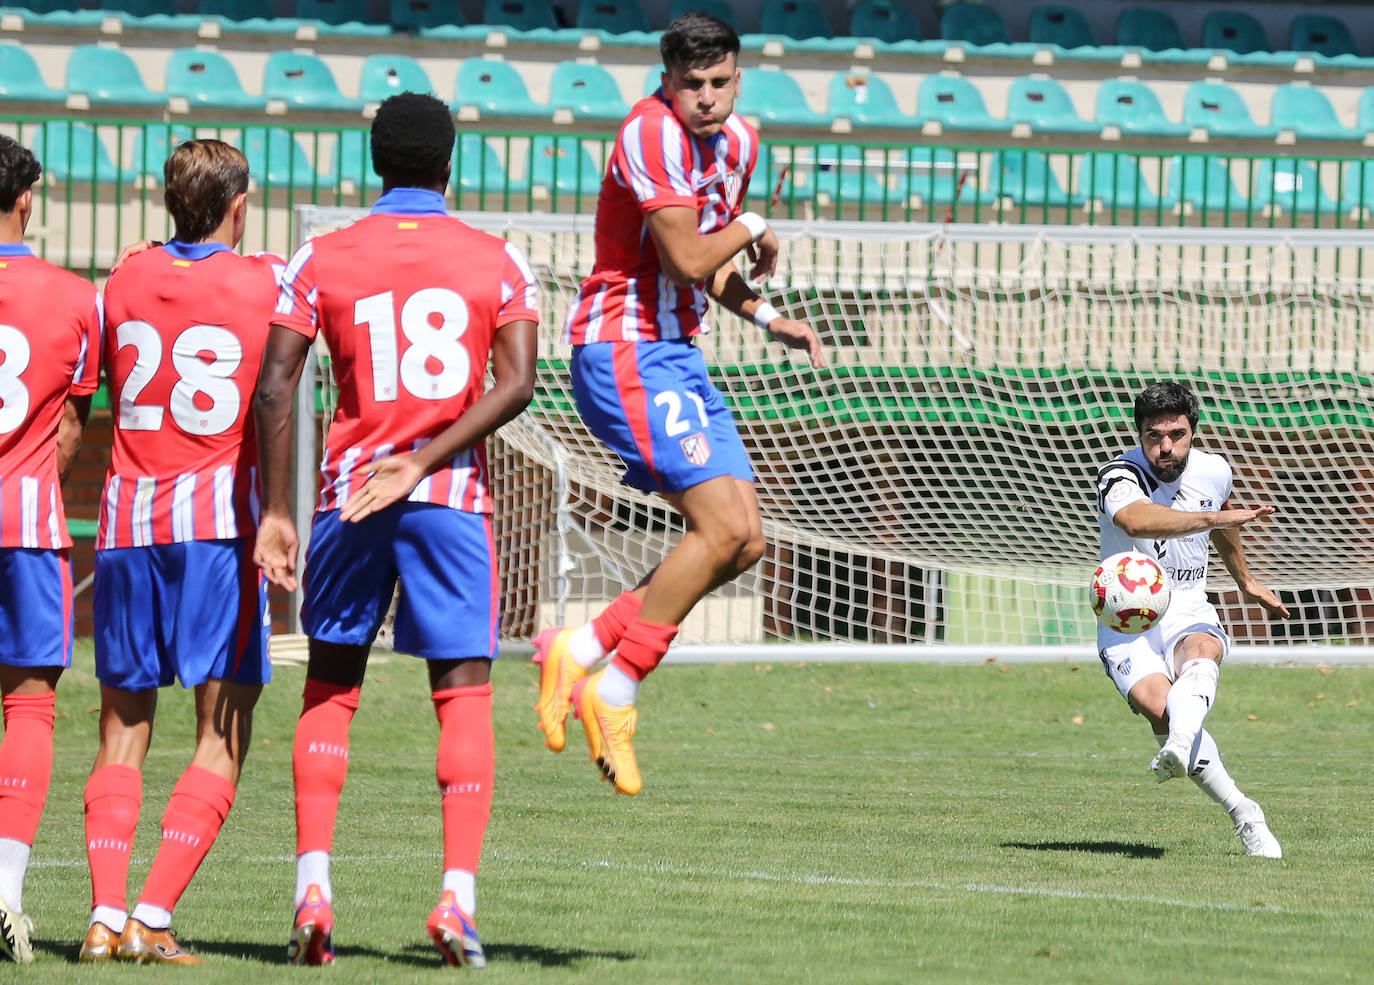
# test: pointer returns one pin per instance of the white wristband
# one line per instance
(765, 313)
(755, 223)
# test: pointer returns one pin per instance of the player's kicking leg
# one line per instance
(1198, 660)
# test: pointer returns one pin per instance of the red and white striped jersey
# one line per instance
(657, 164)
(408, 301)
(49, 349)
(185, 329)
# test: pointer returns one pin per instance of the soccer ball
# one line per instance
(1129, 592)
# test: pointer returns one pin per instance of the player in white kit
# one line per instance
(1168, 500)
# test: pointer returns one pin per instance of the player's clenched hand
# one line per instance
(133, 250)
(764, 255)
(1265, 597)
(1237, 518)
(798, 335)
(275, 550)
(389, 480)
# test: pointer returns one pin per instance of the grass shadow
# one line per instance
(1129, 850)
(538, 954)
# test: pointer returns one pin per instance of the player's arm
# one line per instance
(277, 542)
(1143, 519)
(69, 428)
(1227, 542)
(391, 479)
(729, 287)
(690, 257)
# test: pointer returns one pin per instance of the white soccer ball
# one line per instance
(1129, 592)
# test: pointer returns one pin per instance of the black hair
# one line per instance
(696, 40)
(412, 139)
(19, 169)
(1167, 398)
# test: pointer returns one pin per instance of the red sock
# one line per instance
(25, 763)
(466, 769)
(113, 797)
(319, 762)
(196, 811)
(642, 647)
(611, 624)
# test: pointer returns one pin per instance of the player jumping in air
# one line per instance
(1168, 500)
(49, 354)
(413, 305)
(668, 225)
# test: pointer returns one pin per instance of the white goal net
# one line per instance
(935, 485)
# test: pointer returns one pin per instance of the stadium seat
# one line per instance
(1308, 113)
(865, 100)
(884, 20)
(304, 81)
(56, 13)
(386, 75)
(1204, 183)
(1222, 112)
(773, 96)
(20, 78)
(937, 175)
(1290, 186)
(207, 79)
(770, 180)
(955, 102)
(796, 19)
(1115, 181)
(153, 144)
(564, 165)
(1027, 178)
(107, 76)
(1145, 27)
(1357, 187)
(1064, 26)
(348, 18)
(495, 88)
(73, 153)
(246, 15)
(1134, 108)
(148, 14)
(353, 161)
(419, 16)
(1234, 30)
(841, 174)
(1320, 33)
(519, 15)
(275, 157)
(589, 91)
(1046, 106)
(716, 8)
(477, 169)
(973, 24)
(611, 16)
(1364, 115)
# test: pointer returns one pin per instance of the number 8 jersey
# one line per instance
(185, 329)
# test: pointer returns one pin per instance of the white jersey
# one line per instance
(1204, 486)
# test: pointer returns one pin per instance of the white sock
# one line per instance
(152, 917)
(14, 862)
(464, 886)
(1190, 699)
(312, 868)
(617, 688)
(585, 646)
(111, 916)
(1210, 775)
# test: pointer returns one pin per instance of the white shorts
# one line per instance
(1127, 659)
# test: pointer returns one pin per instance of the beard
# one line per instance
(1169, 473)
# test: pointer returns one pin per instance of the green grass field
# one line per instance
(799, 823)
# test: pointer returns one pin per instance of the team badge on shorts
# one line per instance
(696, 449)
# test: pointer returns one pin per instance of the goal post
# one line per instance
(931, 492)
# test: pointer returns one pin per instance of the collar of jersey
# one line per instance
(410, 201)
(15, 250)
(194, 251)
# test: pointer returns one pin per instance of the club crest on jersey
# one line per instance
(696, 449)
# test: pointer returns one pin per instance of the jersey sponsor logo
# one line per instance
(1186, 574)
(696, 449)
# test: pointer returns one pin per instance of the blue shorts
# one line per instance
(194, 611)
(446, 560)
(653, 405)
(35, 607)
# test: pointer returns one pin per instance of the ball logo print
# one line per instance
(1129, 592)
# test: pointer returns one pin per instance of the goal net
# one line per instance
(935, 484)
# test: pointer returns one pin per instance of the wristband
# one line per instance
(755, 223)
(765, 313)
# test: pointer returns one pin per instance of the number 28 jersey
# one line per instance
(408, 301)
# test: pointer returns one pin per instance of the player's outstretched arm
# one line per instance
(730, 289)
(74, 415)
(1227, 542)
(1142, 519)
(277, 542)
(689, 257)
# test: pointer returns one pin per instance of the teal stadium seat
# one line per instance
(21, 80)
(1357, 187)
(275, 157)
(208, 79)
(938, 176)
(1364, 115)
(1222, 112)
(305, 82)
(383, 76)
(477, 169)
(796, 19)
(716, 8)
(842, 175)
(1145, 27)
(1291, 186)
(611, 16)
(884, 20)
(1064, 26)
(1204, 184)
(955, 102)
(153, 144)
(564, 165)
(496, 89)
(1320, 33)
(589, 91)
(520, 15)
(1045, 105)
(773, 96)
(108, 76)
(1116, 182)
(1308, 113)
(352, 161)
(1028, 179)
(973, 23)
(424, 17)
(56, 13)
(1134, 108)
(246, 16)
(1234, 30)
(341, 18)
(149, 15)
(72, 153)
(865, 100)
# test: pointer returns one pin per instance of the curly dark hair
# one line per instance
(19, 169)
(1167, 397)
(412, 139)
(696, 40)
